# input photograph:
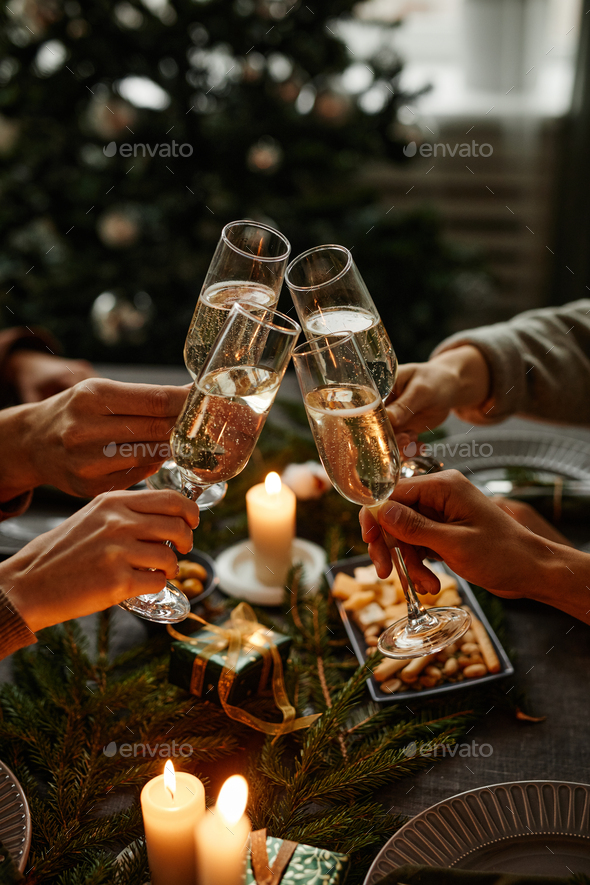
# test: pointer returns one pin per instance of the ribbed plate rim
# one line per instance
(402, 834)
(557, 446)
(26, 826)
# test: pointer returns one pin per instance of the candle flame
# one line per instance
(273, 484)
(170, 778)
(233, 797)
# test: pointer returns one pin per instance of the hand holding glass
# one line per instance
(357, 447)
(224, 413)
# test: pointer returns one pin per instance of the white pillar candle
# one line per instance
(222, 837)
(172, 805)
(271, 526)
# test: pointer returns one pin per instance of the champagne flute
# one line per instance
(358, 449)
(228, 405)
(331, 297)
(248, 266)
(225, 411)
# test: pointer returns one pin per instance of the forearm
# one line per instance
(539, 365)
(560, 578)
(17, 473)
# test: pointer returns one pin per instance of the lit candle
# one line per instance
(222, 837)
(271, 525)
(172, 805)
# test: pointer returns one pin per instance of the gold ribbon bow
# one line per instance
(243, 628)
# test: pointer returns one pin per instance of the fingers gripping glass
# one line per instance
(248, 266)
(331, 297)
(357, 447)
(224, 413)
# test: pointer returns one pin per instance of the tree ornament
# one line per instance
(253, 67)
(77, 28)
(289, 90)
(308, 480)
(117, 229)
(265, 156)
(116, 320)
(333, 107)
(36, 15)
(276, 10)
(111, 117)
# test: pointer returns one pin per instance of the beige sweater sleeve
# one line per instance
(539, 365)
(14, 633)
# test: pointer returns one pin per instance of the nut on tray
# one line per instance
(376, 604)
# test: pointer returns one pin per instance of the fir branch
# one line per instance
(315, 786)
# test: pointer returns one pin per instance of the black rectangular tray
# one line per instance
(357, 638)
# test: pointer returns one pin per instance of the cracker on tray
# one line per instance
(375, 604)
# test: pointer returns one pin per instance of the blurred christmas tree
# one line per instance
(130, 132)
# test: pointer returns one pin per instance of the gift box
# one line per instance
(197, 664)
(275, 860)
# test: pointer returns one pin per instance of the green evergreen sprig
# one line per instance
(317, 786)
(58, 721)
(71, 701)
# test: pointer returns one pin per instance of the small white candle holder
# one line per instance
(237, 576)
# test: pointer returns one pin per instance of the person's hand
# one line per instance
(36, 375)
(97, 436)
(444, 516)
(425, 393)
(99, 556)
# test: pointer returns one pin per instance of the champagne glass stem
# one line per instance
(415, 607)
(417, 614)
(190, 489)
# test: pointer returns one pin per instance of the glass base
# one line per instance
(168, 477)
(434, 630)
(169, 606)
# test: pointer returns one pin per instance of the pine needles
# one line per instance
(63, 723)
(319, 786)
(61, 730)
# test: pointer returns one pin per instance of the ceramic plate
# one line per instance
(527, 827)
(546, 452)
(15, 818)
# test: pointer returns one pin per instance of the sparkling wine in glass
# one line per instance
(248, 266)
(331, 297)
(358, 449)
(226, 409)
(222, 418)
